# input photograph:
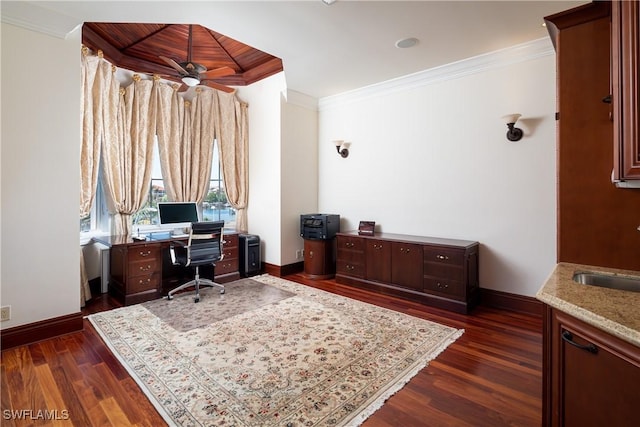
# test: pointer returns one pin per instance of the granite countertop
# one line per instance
(614, 311)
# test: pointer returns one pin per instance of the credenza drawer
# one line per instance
(350, 268)
(352, 244)
(443, 255)
(444, 287)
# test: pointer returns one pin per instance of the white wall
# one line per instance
(299, 186)
(40, 276)
(433, 160)
(283, 166)
(264, 208)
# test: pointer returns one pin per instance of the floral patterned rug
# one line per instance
(296, 356)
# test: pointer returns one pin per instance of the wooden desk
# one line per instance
(143, 271)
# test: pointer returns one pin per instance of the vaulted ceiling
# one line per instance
(140, 48)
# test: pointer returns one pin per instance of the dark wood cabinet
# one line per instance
(434, 271)
(378, 260)
(136, 272)
(406, 265)
(351, 256)
(228, 268)
(591, 378)
(625, 80)
(319, 258)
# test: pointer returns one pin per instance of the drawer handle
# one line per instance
(145, 281)
(143, 268)
(377, 246)
(442, 257)
(568, 337)
(405, 250)
(145, 253)
(441, 286)
(349, 244)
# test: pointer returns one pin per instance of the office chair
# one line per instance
(204, 247)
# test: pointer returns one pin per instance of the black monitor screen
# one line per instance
(172, 213)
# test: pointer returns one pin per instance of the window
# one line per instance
(98, 218)
(214, 206)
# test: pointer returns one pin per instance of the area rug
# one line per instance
(289, 355)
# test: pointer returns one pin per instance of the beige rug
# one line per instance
(283, 354)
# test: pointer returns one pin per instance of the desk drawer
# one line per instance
(143, 252)
(226, 266)
(143, 283)
(143, 268)
(229, 253)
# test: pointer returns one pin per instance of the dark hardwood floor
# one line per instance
(491, 376)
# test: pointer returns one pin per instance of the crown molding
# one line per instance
(301, 100)
(36, 18)
(522, 52)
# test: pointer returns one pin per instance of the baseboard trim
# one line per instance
(284, 270)
(512, 302)
(42, 330)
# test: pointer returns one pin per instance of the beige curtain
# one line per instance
(90, 146)
(185, 142)
(233, 138)
(127, 160)
(89, 155)
(172, 136)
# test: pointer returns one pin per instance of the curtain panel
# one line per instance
(125, 122)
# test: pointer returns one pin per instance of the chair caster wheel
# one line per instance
(196, 299)
(221, 291)
(169, 297)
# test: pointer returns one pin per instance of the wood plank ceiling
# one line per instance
(138, 47)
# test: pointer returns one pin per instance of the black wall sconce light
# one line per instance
(514, 133)
(342, 147)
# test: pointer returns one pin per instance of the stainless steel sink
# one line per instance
(612, 281)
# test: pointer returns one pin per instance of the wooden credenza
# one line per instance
(433, 271)
(142, 271)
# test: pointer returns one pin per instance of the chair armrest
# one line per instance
(173, 245)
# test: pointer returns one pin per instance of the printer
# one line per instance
(319, 226)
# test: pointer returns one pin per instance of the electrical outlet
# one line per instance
(299, 254)
(5, 313)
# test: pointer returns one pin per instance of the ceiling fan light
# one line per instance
(190, 81)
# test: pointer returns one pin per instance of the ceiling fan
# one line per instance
(192, 74)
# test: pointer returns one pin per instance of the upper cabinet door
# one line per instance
(625, 79)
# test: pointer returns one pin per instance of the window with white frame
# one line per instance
(214, 206)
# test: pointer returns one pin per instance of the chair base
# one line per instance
(197, 282)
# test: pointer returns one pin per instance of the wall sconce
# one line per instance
(342, 147)
(514, 133)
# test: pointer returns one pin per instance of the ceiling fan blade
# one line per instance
(174, 64)
(218, 72)
(218, 86)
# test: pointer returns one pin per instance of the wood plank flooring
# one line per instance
(491, 376)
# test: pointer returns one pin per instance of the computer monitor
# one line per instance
(179, 215)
